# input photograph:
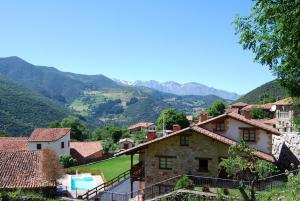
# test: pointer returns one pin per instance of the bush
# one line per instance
(184, 183)
(67, 161)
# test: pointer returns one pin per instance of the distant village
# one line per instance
(195, 150)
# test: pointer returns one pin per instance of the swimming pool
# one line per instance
(83, 183)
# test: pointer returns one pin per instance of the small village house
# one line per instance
(57, 139)
(126, 143)
(142, 126)
(86, 152)
(197, 150)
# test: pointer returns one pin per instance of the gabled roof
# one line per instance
(13, 143)
(239, 104)
(286, 101)
(126, 140)
(241, 118)
(141, 124)
(48, 134)
(21, 169)
(267, 106)
(85, 149)
(198, 130)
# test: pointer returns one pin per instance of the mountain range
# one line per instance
(189, 88)
(35, 95)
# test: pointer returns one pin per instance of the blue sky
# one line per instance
(178, 40)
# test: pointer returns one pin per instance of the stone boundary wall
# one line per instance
(286, 149)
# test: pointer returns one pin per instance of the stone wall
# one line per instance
(286, 150)
(185, 158)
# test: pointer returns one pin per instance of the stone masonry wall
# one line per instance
(185, 157)
(286, 149)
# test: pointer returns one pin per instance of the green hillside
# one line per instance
(96, 98)
(22, 110)
(268, 91)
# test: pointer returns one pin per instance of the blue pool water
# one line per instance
(83, 183)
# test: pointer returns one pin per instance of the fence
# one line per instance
(168, 186)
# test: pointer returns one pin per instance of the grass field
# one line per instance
(109, 168)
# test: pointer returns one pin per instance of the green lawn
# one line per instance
(109, 168)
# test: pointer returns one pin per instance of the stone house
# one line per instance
(198, 150)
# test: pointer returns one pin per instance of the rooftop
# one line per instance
(21, 169)
(13, 143)
(48, 134)
(85, 149)
(141, 124)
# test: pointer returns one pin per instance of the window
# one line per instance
(249, 135)
(39, 146)
(165, 162)
(184, 140)
(220, 126)
(62, 145)
(203, 165)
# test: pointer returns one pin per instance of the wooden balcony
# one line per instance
(137, 172)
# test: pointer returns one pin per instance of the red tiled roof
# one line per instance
(241, 118)
(21, 169)
(287, 101)
(85, 149)
(13, 143)
(141, 124)
(48, 134)
(268, 121)
(239, 104)
(199, 130)
(254, 106)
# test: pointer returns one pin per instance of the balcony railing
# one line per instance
(283, 115)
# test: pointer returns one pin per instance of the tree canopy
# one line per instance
(78, 130)
(171, 117)
(217, 108)
(272, 33)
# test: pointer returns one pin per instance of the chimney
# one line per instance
(176, 127)
(202, 117)
(247, 114)
(151, 135)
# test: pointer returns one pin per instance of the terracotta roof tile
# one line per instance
(48, 134)
(255, 106)
(286, 101)
(239, 104)
(141, 124)
(85, 149)
(199, 130)
(21, 169)
(13, 143)
(241, 118)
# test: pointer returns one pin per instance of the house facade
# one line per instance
(126, 143)
(57, 139)
(198, 150)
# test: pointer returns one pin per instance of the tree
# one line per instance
(271, 32)
(242, 164)
(171, 117)
(217, 108)
(78, 130)
(259, 113)
(184, 183)
(50, 165)
(68, 161)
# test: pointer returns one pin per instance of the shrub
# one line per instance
(67, 161)
(184, 183)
